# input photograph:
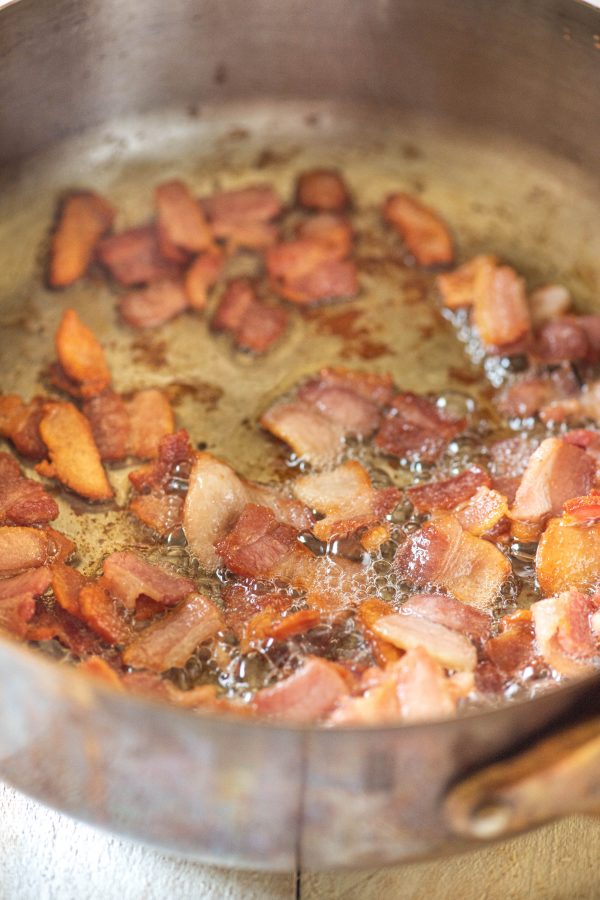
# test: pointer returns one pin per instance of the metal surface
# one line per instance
(458, 101)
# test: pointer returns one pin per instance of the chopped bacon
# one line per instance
(307, 695)
(509, 460)
(447, 493)
(243, 217)
(60, 547)
(452, 650)
(83, 218)
(159, 506)
(415, 429)
(68, 630)
(98, 668)
(483, 511)
(422, 230)
(334, 232)
(425, 693)
(464, 285)
(102, 614)
(568, 556)
(242, 602)
(81, 356)
(253, 325)
(451, 613)
(287, 510)
(369, 612)
(22, 500)
(109, 421)
(376, 387)
(150, 419)
(153, 305)
(74, 457)
(548, 302)
(307, 271)
(17, 599)
(441, 553)
(127, 576)
(563, 632)
(323, 190)
(66, 586)
(282, 627)
(561, 339)
(582, 405)
(160, 511)
(19, 422)
(180, 219)
(22, 548)
(347, 498)
(513, 650)
(133, 257)
(500, 314)
(357, 415)
(257, 543)
(557, 471)
(531, 393)
(310, 434)
(580, 510)
(374, 537)
(202, 275)
(169, 642)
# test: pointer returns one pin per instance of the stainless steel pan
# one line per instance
(491, 110)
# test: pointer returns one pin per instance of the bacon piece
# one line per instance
(22, 500)
(161, 505)
(563, 632)
(561, 339)
(154, 305)
(74, 457)
(150, 419)
(374, 538)
(22, 548)
(424, 692)
(529, 394)
(242, 602)
(162, 512)
(376, 387)
(83, 218)
(257, 543)
(17, 599)
(69, 631)
(109, 421)
(568, 556)
(308, 271)
(98, 668)
(585, 404)
(307, 695)
(557, 471)
(323, 190)
(447, 493)
(282, 628)
(81, 356)
(133, 257)
(100, 613)
(547, 302)
(355, 414)
(415, 429)
(169, 642)
(19, 422)
(242, 217)
(60, 547)
(441, 553)
(451, 613)
(500, 314)
(334, 232)
(513, 650)
(66, 586)
(253, 325)
(310, 434)
(422, 230)
(509, 460)
(583, 510)
(464, 285)
(347, 498)
(202, 275)
(369, 612)
(483, 512)
(127, 576)
(180, 218)
(452, 650)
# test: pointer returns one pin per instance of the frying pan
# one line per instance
(490, 111)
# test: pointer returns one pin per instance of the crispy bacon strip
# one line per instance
(81, 356)
(66, 587)
(556, 472)
(310, 434)
(452, 650)
(242, 602)
(447, 493)
(415, 429)
(347, 498)
(100, 613)
(19, 422)
(22, 548)
(483, 511)
(376, 387)
(22, 500)
(307, 695)
(154, 305)
(74, 457)
(513, 649)
(323, 190)
(133, 257)
(110, 424)
(128, 576)
(68, 630)
(243, 217)
(441, 553)
(170, 642)
(355, 414)
(83, 218)
(568, 556)
(180, 218)
(563, 632)
(203, 273)
(307, 271)
(424, 233)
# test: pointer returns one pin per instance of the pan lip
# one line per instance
(74, 684)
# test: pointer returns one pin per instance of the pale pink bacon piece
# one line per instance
(127, 576)
(547, 302)
(422, 230)
(441, 553)
(323, 190)
(132, 427)
(157, 503)
(83, 218)
(311, 435)
(334, 232)
(556, 472)
(347, 499)
(133, 257)
(169, 642)
(447, 493)
(180, 219)
(415, 429)
(243, 217)
(19, 422)
(22, 548)
(153, 305)
(568, 554)
(447, 611)
(531, 393)
(252, 324)
(306, 696)
(22, 500)
(448, 647)
(17, 599)
(202, 274)
(563, 632)
(307, 271)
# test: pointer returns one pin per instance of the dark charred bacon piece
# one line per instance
(180, 218)
(128, 576)
(153, 305)
(447, 493)
(323, 190)
(133, 257)
(415, 429)
(81, 357)
(253, 325)
(22, 500)
(424, 233)
(82, 220)
(19, 422)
